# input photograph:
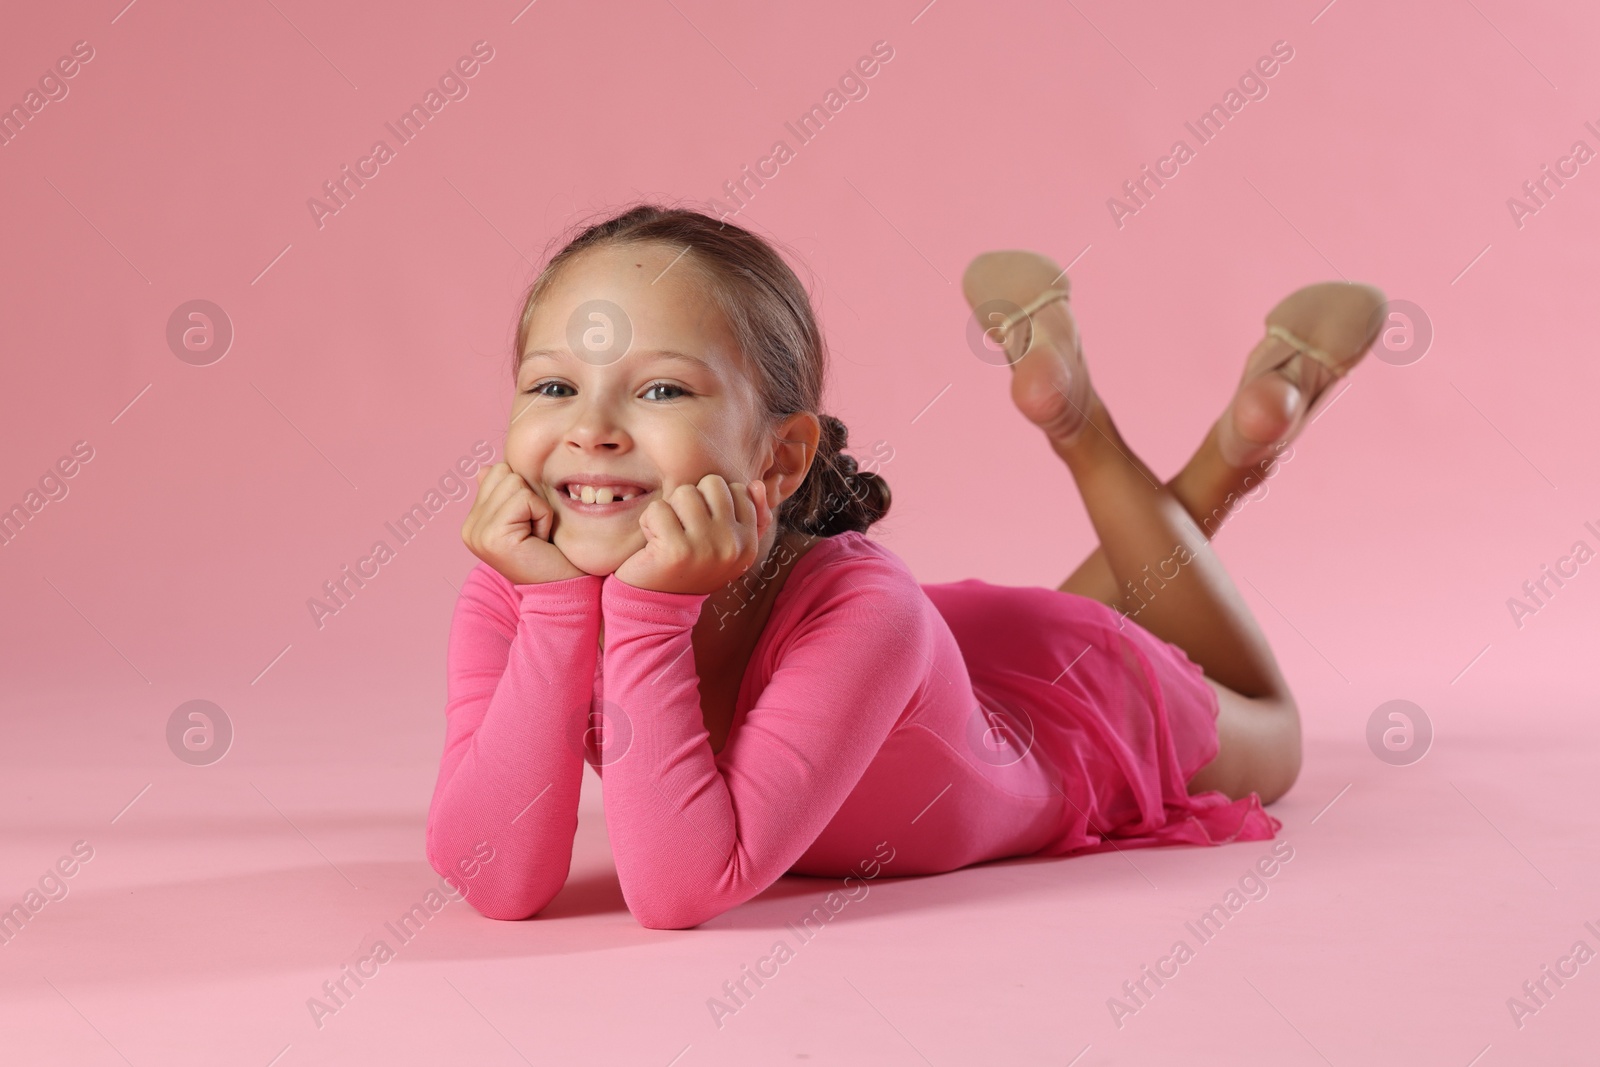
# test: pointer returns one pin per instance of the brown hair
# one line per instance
(770, 314)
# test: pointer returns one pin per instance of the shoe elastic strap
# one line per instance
(1030, 307)
(1311, 350)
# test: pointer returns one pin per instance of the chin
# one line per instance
(593, 556)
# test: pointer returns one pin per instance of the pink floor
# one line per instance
(368, 357)
(1416, 900)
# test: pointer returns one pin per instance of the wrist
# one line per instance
(618, 597)
(581, 592)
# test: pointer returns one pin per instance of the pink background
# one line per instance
(371, 353)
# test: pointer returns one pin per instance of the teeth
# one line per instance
(604, 494)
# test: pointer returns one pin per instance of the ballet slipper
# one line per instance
(1051, 389)
(1314, 336)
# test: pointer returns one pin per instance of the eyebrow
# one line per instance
(660, 353)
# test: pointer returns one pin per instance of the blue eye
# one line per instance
(537, 387)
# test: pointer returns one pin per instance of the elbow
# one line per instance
(665, 913)
(510, 896)
(509, 904)
(667, 920)
(507, 908)
(668, 904)
(495, 902)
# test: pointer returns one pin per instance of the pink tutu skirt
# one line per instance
(1124, 718)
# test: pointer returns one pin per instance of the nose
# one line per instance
(595, 425)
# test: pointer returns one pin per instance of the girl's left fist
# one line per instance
(699, 537)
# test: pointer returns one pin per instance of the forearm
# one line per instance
(668, 808)
(512, 769)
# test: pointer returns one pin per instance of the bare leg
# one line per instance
(1209, 491)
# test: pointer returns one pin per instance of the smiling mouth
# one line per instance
(604, 500)
(602, 494)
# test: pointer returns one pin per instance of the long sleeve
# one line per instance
(693, 832)
(520, 666)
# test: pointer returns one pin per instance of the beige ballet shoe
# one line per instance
(1051, 387)
(1314, 336)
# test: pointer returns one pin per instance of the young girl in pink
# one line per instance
(677, 586)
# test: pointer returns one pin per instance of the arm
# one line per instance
(520, 685)
(692, 840)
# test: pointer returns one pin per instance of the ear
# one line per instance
(793, 447)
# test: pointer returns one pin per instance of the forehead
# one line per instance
(656, 292)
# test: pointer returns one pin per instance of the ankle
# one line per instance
(1095, 442)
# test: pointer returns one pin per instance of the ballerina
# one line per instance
(676, 585)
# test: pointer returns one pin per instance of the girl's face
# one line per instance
(630, 374)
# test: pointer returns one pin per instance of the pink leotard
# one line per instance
(948, 724)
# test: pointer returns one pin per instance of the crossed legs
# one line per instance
(1147, 527)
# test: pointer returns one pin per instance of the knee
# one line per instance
(1282, 768)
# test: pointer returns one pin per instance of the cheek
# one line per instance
(527, 440)
(676, 446)
(719, 440)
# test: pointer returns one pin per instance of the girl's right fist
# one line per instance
(509, 529)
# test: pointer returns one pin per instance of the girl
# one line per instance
(678, 587)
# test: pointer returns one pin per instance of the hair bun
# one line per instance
(837, 495)
(835, 435)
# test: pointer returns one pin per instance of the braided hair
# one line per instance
(836, 495)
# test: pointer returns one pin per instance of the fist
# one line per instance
(700, 537)
(509, 529)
